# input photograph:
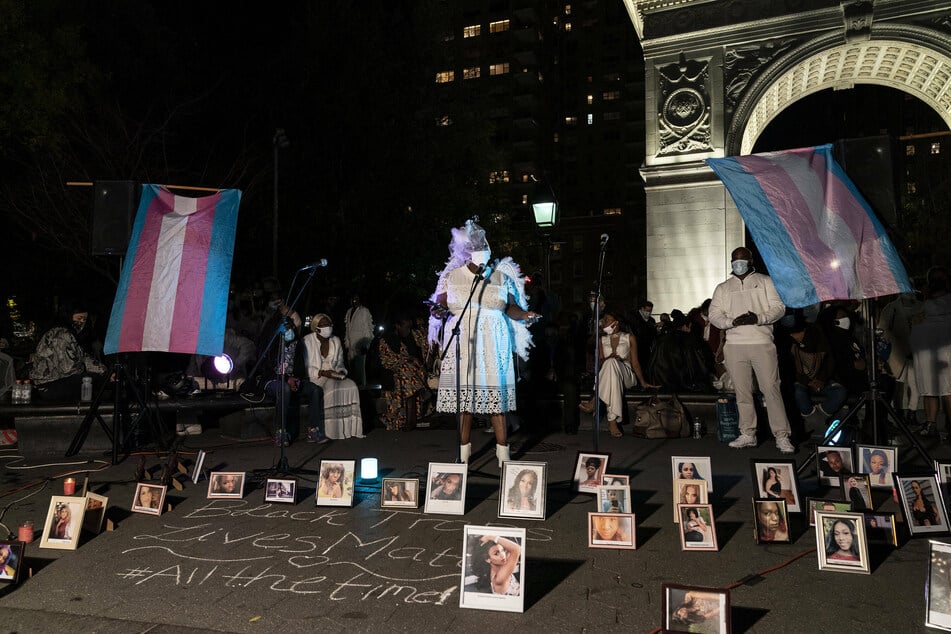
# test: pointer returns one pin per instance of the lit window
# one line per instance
(554, 138)
(524, 199)
(567, 9)
(567, 26)
(912, 188)
(590, 118)
(472, 72)
(472, 31)
(499, 69)
(500, 176)
(443, 121)
(498, 26)
(571, 120)
(612, 211)
(936, 148)
(590, 99)
(611, 95)
(909, 150)
(612, 116)
(445, 76)
(524, 178)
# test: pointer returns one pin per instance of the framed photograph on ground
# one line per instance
(400, 492)
(148, 498)
(922, 504)
(611, 530)
(943, 470)
(199, 465)
(95, 512)
(589, 469)
(833, 462)
(493, 568)
(858, 491)
(226, 484)
(689, 492)
(695, 609)
(770, 521)
(446, 488)
(938, 601)
(11, 561)
(825, 504)
(879, 462)
(335, 487)
(614, 499)
(880, 528)
(841, 542)
(692, 468)
(523, 490)
(776, 480)
(616, 479)
(282, 490)
(697, 531)
(64, 520)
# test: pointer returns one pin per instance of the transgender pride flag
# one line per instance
(173, 292)
(815, 231)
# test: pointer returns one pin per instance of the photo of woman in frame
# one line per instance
(771, 521)
(148, 498)
(879, 463)
(841, 542)
(522, 490)
(614, 499)
(688, 492)
(856, 489)
(938, 613)
(399, 492)
(11, 556)
(692, 468)
(63, 522)
(226, 484)
(924, 510)
(335, 487)
(589, 469)
(776, 480)
(691, 609)
(696, 526)
(611, 530)
(493, 570)
(280, 490)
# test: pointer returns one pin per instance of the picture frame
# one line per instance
(199, 464)
(879, 462)
(226, 484)
(523, 490)
(776, 479)
(95, 513)
(857, 489)
(692, 468)
(336, 482)
(589, 469)
(446, 488)
(930, 517)
(938, 595)
(688, 492)
(771, 521)
(841, 542)
(880, 528)
(616, 479)
(687, 608)
(400, 492)
(612, 530)
(829, 468)
(614, 499)
(697, 527)
(825, 504)
(149, 498)
(11, 561)
(64, 521)
(488, 581)
(943, 471)
(280, 490)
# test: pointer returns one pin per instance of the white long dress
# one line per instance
(931, 347)
(486, 345)
(616, 374)
(342, 418)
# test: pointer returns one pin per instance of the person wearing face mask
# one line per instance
(848, 355)
(60, 361)
(493, 327)
(931, 347)
(744, 307)
(619, 367)
(325, 368)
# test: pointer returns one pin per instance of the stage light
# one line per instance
(369, 469)
(223, 364)
(217, 369)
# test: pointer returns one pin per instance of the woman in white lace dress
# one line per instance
(326, 368)
(489, 332)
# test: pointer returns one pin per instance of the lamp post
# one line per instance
(545, 210)
(280, 142)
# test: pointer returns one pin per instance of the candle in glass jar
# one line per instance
(69, 486)
(25, 532)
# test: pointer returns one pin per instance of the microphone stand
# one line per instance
(458, 353)
(597, 346)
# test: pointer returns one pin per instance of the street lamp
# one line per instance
(280, 142)
(545, 210)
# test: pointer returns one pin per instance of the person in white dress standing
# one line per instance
(931, 347)
(326, 369)
(492, 328)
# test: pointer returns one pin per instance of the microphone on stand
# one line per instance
(315, 265)
(604, 240)
(489, 269)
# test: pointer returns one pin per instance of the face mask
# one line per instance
(645, 314)
(325, 332)
(843, 323)
(609, 330)
(78, 325)
(288, 334)
(480, 257)
(740, 267)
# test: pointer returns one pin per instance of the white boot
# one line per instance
(502, 453)
(464, 452)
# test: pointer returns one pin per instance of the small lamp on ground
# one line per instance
(369, 469)
(217, 369)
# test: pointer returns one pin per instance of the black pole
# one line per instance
(597, 347)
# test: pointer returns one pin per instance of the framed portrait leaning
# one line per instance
(879, 462)
(11, 561)
(493, 572)
(776, 480)
(695, 609)
(95, 512)
(611, 530)
(64, 521)
(280, 490)
(523, 490)
(922, 504)
(688, 492)
(335, 483)
(692, 468)
(770, 521)
(149, 498)
(400, 492)
(697, 528)
(226, 484)
(841, 542)
(832, 462)
(938, 612)
(614, 499)
(446, 488)
(589, 470)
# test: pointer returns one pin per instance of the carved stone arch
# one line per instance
(913, 59)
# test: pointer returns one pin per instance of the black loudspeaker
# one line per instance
(868, 162)
(113, 213)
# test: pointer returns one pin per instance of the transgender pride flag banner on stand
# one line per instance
(815, 231)
(173, 292)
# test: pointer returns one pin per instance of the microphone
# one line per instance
(315, 265)
(489, 269)
(604, 240)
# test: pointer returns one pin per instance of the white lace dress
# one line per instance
(342, 418)
(616, 374)
(486, 345)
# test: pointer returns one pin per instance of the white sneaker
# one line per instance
(179, 429)
(783, 444)
(743, 442)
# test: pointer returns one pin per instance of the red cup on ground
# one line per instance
(25, 532)
(69, 486)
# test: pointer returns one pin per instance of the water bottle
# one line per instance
(27, 392)
(16, 394)
(85, 394)
(697, 428)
